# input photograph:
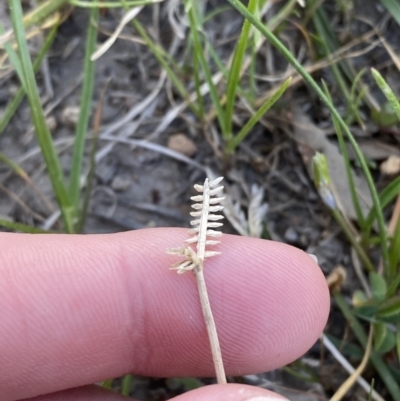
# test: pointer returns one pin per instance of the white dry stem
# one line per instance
(205, 220)
(349, 368)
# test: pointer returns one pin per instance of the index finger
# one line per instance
(80, 309)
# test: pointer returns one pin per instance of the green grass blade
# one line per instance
(383, 370)
(107, 384)
(85, 111)
(398, 342)
(42, 11)
(232, 144)
(392, 99)
(89, 184)
(356, 99)
(394, 285)
(234, 73)
(350, 179)
(220, 65)
(14, 59)
(92, 163)
(353, 240)
(310, 81)
(214, 12)
(42, 131)
(126, 384)
(22, 228)
(190, 6)
(394, 250)
(386, 196)
(327, 42)
(197, 85)
(323, 183)
(393, 7)
(165, 61)
(387, 91)
(111, 4)
(12, 106)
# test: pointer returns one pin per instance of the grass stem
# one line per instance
(84, 113)
(43, 134)
(210, 324)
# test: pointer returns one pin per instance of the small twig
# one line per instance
(205, 218)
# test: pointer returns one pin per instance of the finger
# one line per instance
(231, 392)
(80, 309)
(87, 393)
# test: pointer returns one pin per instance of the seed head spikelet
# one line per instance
(206, 208)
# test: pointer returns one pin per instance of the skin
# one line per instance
(77, 309)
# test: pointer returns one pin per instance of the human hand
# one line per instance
(77, 309)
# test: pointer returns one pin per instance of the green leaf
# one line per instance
(389, 308)
(378, 286)
(398, 341)
(394, 285)
(387, 341)
(384, 118)
(382, 368)
(359, 298)
(367, 310)
(107, 384)
(380, 331)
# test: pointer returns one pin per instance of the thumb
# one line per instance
(230, 392)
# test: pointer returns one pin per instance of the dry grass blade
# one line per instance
(355, 373)
(206, 216)
(257, 211)
(110, 41)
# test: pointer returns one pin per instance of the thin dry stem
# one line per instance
(210, 324)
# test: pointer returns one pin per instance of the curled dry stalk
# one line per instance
(206, 207)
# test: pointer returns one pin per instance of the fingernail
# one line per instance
(313, 257)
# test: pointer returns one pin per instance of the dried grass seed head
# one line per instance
(207, 218)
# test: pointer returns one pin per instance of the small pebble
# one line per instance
(70, 116)
(51, 123)
(120, 183)
(291, 235)
(182, 144)
(391, 166)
